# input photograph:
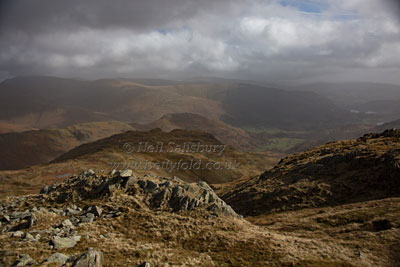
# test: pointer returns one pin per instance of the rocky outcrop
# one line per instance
(340, 172)
(155, 192)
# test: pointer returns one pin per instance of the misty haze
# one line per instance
(200, 133)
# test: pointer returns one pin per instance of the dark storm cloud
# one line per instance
(99, 14)
(259, 39)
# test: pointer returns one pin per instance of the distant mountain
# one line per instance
(389, 125)
(370, 102)
(387, 110)
(249, 105)
(337, 173)
(43, 102)
(348, 95)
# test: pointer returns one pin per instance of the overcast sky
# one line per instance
(271, 40)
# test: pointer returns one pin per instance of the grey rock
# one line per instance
(159, 198)
(87, 219)
(29, 237)
(95, 210)
(45, 190)
(150, 187)
(190, 188)
(6, 218)
(126, 173)
(67, 223)
(57, 258)
(63, 242)
(28, 222)
(24, 260)
(17, 234)
(128, 182)
(142, 183)
(204, 185)
(92, 258)
(177, 192)
(166, 184)
(71, 211)
(21, 215)
(57, 211)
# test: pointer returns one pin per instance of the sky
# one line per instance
(288, 41)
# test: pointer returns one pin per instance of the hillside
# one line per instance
(130, 220)
(141, 149)
(224, 132)
(28, 148)
(337, 173)
(118, 152)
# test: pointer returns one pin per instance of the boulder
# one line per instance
(92, 258)
(126, 173)
(64, 242)
(95, 210)
(24, 260)
(57, 258)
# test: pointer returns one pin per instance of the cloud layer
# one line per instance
(313, 40)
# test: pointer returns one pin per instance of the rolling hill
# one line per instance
(224, 132)
(33, 147)
(115, 152)
(43, 102)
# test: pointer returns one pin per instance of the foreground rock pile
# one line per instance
(155, 192)
(55, 217)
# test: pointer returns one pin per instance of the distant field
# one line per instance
(274, 139)
(280, 144)
(271, 131)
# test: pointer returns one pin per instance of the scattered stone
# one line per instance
(126, 173)
(28, 222)
(63, 242)
(95, 210)
(92, 258)
(29, 237)
(37, 237)
(57, 258)
(5, 218)
(71, 211)
(17, 234)
(66, 223)
(45, 190)
(128, 182)
(150, 187)
(24, 260)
